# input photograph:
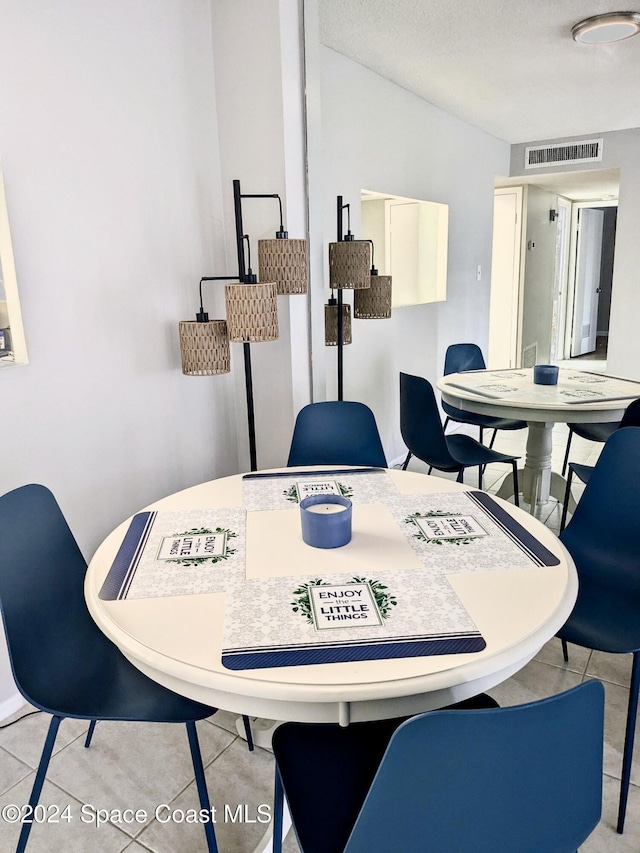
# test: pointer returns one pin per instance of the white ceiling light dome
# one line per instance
(602, 29)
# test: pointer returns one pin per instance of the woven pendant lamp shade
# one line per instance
(350, 264)
(374, 303)
(252, 312)
(285, 262)
(331, 325)
(204, 348)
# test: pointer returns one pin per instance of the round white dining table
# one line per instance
(578, 397)
(177, 640)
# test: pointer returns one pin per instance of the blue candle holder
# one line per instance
(545, 374)
(326, 520)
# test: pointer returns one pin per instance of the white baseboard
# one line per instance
(11, 705)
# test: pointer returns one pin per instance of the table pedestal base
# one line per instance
(537, 481)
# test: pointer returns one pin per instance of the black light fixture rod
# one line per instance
(202, 316)
(242, 277)
(340, 208)
(269, 195)
(251, 421)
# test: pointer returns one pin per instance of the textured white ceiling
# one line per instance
(509, 67)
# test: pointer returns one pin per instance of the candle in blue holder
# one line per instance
(326, 520)
(545, 374)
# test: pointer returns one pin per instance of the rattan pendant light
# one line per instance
(284, 261)
(331, 324)
(252, 311)
(374, 303)
(204, 347)
(349, 264)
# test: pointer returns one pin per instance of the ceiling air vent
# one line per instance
(564, 153)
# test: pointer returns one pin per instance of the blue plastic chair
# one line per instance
(61, 662)
(336, 433)
(457, 359)
(523, 779)
(630, 418)
(423, 434)
(603, 537)
(592, 432)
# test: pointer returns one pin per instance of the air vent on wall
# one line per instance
(564, 153)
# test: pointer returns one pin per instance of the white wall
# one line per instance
(109, 150)
(620, 150)
(378, 136)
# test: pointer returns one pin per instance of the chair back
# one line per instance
(50, 635)
(420, 423)
(631, 415)
(603, 536)
(336, 433)
(461, 357)
(515, 780)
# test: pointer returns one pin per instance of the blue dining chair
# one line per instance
(523, 779)
(459, 358)
(336, 433)
(423, 434)
(631, 418)
(61, 662)
(603, 538)
(599, 432)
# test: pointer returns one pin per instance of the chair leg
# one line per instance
(480, 472)
(516, 485)
(481, 435)
(247, 731)
(460, 477)
(565, 505)
(628, 740)
(201, 785)
(565, 651)
(493, 438)
(92, 726)
(566, 453)
(278, 800)
(446, 421)
(406, 461)
(39, 780)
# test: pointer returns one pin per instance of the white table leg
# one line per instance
(537, 481)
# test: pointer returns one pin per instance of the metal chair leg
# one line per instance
(446, 421)
(39, 780)
(201, 785)
(516, 485)
(628, 741)
(481, 435)
(493, 438)
(565, 651)
(460, 477)
(278, 800)
(92, 726)
(406, 461)
(565, 505)
(247, 731)
(566, 453)
(480, 471)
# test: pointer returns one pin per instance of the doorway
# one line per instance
(591, 259)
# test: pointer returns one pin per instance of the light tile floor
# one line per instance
(140, 766)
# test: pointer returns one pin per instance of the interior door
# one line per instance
(505, 278)
(587, 287)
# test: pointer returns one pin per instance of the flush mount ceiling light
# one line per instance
(602, 29)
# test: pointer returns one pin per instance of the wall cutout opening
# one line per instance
(13, 349)
(410, 238)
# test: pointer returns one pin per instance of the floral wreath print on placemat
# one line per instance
(291, 494)
(449, 540)
(214, 558)
(302, 604)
